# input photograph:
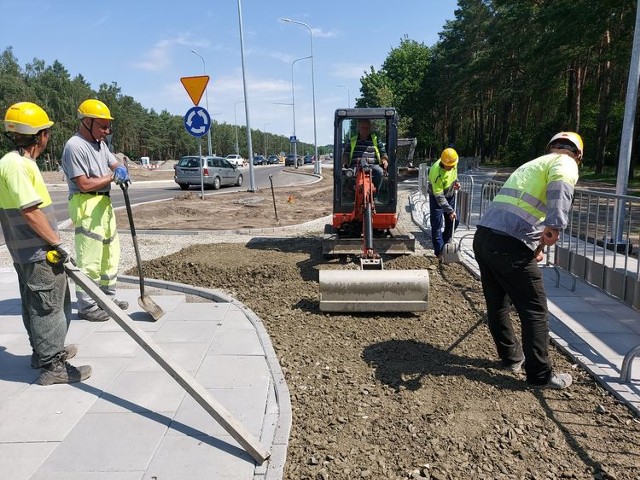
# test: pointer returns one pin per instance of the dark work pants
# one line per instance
(436, 218)
(509, 270)
(46, 308)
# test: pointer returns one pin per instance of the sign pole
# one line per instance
(201, 168)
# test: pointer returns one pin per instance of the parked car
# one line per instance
(259, 160)
(290, 160)
(308, 159)
(236, 159)
(217, 172)
(273, 160)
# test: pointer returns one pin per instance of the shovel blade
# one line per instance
(151, 307)
(451, 253)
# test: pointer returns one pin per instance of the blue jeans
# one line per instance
(46, 308)
(436, 219)
(509, 271)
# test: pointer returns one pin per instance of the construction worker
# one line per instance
(529, 211)
(90, 168)
(366, 144)
(443, 182)
(30, 232)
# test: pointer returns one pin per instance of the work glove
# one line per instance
(58, 254)
(121, 175)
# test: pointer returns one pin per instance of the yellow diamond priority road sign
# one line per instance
(195, 87)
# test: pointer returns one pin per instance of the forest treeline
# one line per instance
(508, 74)
(137, 131)
(504, 76)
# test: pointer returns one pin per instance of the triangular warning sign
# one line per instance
(195, 87)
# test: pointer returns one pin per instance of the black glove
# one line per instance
(63, 254)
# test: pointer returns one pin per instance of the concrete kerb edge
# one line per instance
(273, 469)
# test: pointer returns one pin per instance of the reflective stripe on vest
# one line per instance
(539, 188)
(374, 140)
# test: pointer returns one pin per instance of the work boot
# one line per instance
(558, 381)
(69, 352)
(97, 315)
(63, 372)
(121, 303)
(515, 367)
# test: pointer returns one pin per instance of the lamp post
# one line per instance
(318, 165)
(293, 105)
(206, 98)
(252, 181)
(348, 95)
(235, 119)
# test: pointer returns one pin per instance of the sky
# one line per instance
(147, 46)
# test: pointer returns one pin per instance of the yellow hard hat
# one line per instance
(569, 137)
(449, 157)
(26, 118)
(94, 109)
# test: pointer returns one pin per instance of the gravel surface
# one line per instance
(400, 396)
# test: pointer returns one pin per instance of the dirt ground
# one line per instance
(396, 396)
(234, 210)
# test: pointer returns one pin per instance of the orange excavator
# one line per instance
(364, 221)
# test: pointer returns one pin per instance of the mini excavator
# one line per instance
(364, 223)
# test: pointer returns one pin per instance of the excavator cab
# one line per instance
(365, 217)
(350, 216)
(380, 127)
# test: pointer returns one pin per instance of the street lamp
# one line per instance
(252, 181)
(235, 119)
(318, 167)
(206, 98)
(348, 95)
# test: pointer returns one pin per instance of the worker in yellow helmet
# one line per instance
(90, 168)
(529, 211)
(443, 181)
(30, 232)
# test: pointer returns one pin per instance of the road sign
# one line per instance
(195, 87)
(197, 121)
(292, 139)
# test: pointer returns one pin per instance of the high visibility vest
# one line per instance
(440, 180)
(374, 140)
(21, 186)
(537, 194)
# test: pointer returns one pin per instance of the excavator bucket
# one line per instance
(373, 290)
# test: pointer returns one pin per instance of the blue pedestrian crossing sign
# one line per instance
(197, 121)
(293, 139)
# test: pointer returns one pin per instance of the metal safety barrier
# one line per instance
(597, 246)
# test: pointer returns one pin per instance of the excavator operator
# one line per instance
(367, 144)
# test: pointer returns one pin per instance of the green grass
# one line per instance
(607, 176)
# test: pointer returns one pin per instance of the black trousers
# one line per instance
(509, 271)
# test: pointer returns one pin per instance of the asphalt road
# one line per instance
(150, 191)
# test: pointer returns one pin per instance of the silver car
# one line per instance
(217, 172)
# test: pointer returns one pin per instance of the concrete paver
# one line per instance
(131, 420)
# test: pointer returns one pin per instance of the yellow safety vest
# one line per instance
(374, 140)
(538, 193)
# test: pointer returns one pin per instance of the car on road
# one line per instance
(217, 172)
(259, 160)
(273, 160)
(290, 160)
(308, 159)
(236, 159)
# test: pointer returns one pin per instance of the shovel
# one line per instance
(451, 252)
(144, 301)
